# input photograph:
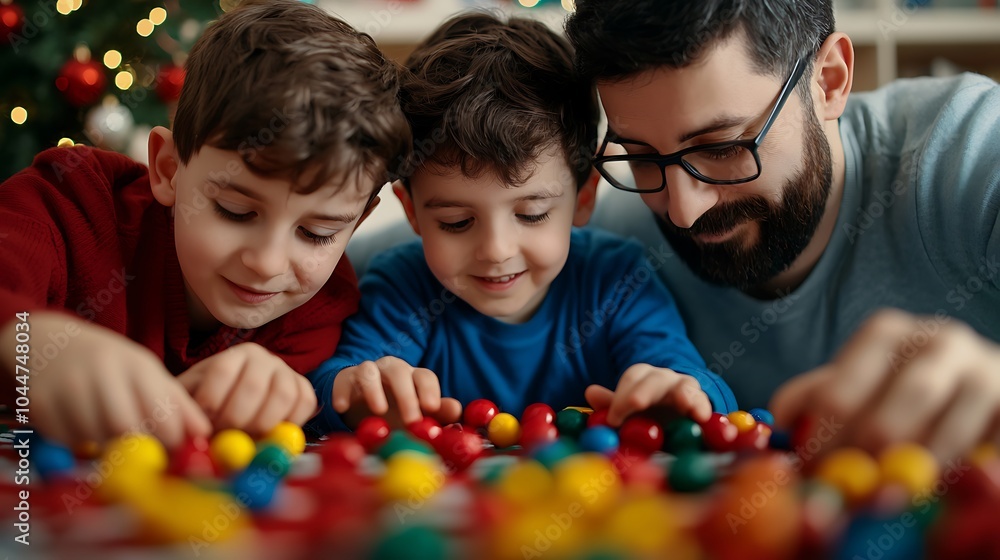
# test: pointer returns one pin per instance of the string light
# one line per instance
(569, 5)
(64, 7)
(528, 3)
(19, 115)
(65, 143)
(124, 80)
(77, 4)
(112, 59)
(144, 28)
(157, 16)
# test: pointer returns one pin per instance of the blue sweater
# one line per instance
(604, 312)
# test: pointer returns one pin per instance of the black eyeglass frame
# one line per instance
(676, 158)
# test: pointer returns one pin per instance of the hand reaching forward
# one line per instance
(931, 380)
(390, 386)
(643, 386)
(248, 388)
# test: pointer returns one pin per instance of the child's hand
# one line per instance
(98, 384)
(643, 386)
(360, 391)
(248, 388)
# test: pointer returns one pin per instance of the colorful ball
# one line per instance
(289, 436)
(232, 449)
(504, 430)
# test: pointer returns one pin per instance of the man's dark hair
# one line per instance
(489, 96)
(615, 39)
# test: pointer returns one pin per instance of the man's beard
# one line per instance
(785, 228)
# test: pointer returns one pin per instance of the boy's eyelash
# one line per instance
(534, 218)
(312, 237)
(232, 215)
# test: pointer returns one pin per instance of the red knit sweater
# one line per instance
(80, 231)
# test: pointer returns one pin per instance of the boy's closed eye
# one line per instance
(234, 215)
(462, 225)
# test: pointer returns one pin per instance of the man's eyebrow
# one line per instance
(720, 123)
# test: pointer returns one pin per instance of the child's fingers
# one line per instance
(305, 405)
(368, 381)
(279, 402)
(449, 412)
(399, 376)
(428, 389)
(218, 376)
(599, 397)
(192, 417)
(639, 395)
(247, 396)
(687, 398)
(120, 406)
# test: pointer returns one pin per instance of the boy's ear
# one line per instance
(162, 165)
(585, 199)
(407, 201)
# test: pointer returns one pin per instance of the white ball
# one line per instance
(109, 126)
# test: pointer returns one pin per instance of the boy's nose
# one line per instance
(268, 259)
(497, 246)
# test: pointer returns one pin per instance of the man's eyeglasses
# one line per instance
(719, 163)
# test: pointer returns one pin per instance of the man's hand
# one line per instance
(100, 385)
(932, 380)
(248, 388)
(643, 386)
(368, 388)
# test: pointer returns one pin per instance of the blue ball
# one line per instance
(51, 460)
(763, 416)
(600, 439)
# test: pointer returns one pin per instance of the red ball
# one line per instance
(719, 433)
(641, 435)
(11, 21)
(341, 451)
(427, 429)
(538, 410)
(755, 439)
(598, 418)
(81, 83)
(537, 433)
(372, 433)
(193, 460)
(479, 412)
(458, 449)
(169, 83)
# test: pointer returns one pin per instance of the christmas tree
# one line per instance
(98, 72)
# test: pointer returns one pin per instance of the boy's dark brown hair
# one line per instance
(297, 92)
(489, 96)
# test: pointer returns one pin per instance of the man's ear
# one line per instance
(585, 199)
(407, 201)
(833, 76)
(162, 166)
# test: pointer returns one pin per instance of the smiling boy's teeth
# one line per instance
(501, 279)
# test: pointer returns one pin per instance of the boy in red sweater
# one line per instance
(220, 264)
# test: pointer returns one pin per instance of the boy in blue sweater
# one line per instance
(504, 299)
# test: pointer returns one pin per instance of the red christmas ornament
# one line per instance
(82, 83)
(11, 21)
(169, 82)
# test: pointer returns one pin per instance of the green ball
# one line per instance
(272, 458)
(401, 441)
(692, 472)
(553, 453)
(683, 434)
(416, 543)
(571, 422)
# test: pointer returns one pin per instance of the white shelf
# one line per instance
(398, 22)
(938, 25)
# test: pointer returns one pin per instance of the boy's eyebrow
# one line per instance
(437, 202)
(344, 218)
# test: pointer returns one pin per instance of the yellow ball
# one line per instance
(232, 449)
(643, 526)
(504, 430)
(743, 420)
(852, 471)
(411, 476)
(526, 482)
(589, 479)
(554, 530)
(909, 465)
(289, 436)
(174, 510)
(582, 409)
(136, 451)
